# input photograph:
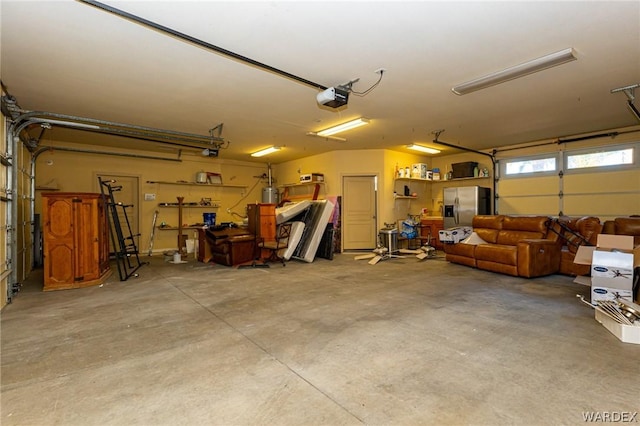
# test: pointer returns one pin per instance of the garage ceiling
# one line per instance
(71, 58)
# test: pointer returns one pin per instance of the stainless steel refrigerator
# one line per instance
(461, 204)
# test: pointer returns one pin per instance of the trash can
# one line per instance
(389, 239)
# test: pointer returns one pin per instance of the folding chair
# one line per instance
(283, 232)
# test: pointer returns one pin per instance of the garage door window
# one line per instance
(600, 158)
(530, 166)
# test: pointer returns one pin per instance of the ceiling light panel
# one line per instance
(424, 149)
(535, 65)
(344, 127)
(266, 151)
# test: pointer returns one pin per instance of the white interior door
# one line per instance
(359, 212)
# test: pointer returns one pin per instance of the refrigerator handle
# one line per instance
(456, 210)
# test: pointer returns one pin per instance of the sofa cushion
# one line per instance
(460, 249)
(527, 223)
(497, 253)
(512, 237)
(488, 235)
(487, 227)
(588, 228)
(627, 226)
(487, 221)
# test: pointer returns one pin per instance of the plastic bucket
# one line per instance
(209, 219)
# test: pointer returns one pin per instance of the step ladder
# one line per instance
(122, 239)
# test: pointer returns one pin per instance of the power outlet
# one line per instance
(149, 197)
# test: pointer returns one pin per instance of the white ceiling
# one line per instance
(71, 58)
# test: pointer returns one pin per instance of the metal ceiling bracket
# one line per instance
(629, 91)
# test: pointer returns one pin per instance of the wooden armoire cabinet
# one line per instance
(75, 240)
(262, 220)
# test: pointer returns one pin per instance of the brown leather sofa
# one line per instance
(629, 225)
(516, 245)
(575, 232)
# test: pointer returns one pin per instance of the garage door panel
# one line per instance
(529, 205)
(532, 186)
(625, 180)
(601, 205)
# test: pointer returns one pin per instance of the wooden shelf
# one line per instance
(314, 196)
(459, 179)
(175, 228)
(289, 185)
(219, 185)
(413, 180)
(405, 197)
(190, 206)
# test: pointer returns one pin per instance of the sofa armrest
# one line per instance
(538, 257)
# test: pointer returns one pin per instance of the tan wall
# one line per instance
(71, 172)
(376, 162)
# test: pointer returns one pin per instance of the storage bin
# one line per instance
(463, 170)
(209, 219)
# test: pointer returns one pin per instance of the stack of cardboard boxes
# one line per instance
(615, 272)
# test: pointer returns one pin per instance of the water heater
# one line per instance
(270, 194)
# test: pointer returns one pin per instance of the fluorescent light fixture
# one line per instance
(343, 127)
(266, 151)
(333, 138)
(423, 149)
(517, 71)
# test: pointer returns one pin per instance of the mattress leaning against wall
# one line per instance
(297, 228)
(315, 220)
(290, 210)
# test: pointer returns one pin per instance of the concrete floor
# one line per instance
(337, 342)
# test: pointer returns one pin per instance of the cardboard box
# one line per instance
(454, 235)
(419, 171)
(626, 333)
(311, 177)
(613, 262)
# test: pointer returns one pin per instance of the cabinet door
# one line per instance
(432, 227)
(262, 220)
(58, 242)
(268, 221)
(87, 255)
